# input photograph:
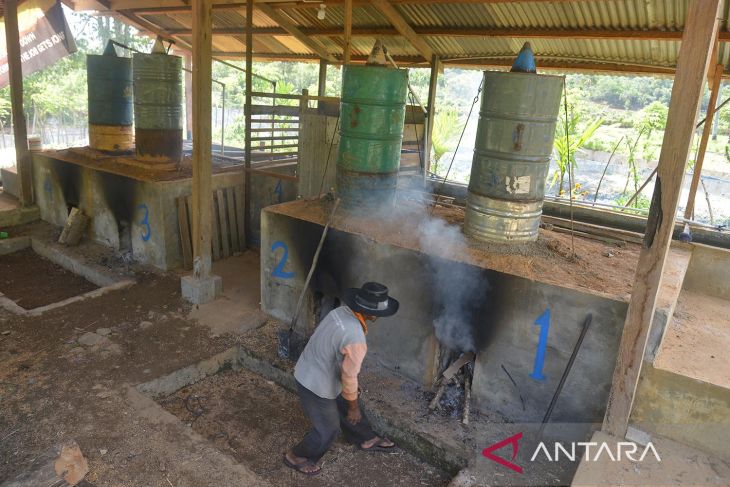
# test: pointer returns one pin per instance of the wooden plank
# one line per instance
(694, 57)
(202, 214)
(215, 233)
(289, 26)
(223, 220)
(231, 211)
(240, 219)
(347, 48)
(395, 18)
(279, 110)
(15, 76)
(184, 228)
(702, 149)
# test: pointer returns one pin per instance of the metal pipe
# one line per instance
(559, 389)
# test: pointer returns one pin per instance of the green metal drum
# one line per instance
(109, 80)
(511, 155)
(158, 107)
(372, 112)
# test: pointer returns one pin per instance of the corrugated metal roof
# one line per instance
(470, 48)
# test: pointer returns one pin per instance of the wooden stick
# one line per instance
(434, 404)
(467, 397)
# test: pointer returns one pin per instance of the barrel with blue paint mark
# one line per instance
(158, 111)
(111, 101)
(372, 114)
(512, 151)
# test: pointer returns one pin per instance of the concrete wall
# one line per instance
(708, 271)
(684, 409)
(504, 324)
(109, 200)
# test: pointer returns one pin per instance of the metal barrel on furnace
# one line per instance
(111, 116)
(158, 113)
(372, 114)
(514, 141)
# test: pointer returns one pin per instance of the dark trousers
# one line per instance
(328, 416)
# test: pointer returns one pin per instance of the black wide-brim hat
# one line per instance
(371, 300)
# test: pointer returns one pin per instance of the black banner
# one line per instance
(45, 37)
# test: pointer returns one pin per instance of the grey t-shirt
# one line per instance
(319, 367)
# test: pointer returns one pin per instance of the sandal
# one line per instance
(378, 447)
(299, 467)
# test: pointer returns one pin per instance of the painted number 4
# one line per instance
(544, 323)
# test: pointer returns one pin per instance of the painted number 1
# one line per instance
(279, 269)
(544, 323)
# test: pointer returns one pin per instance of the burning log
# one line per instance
(465, 359)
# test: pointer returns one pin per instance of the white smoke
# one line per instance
(458, 289)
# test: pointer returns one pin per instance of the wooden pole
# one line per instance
(249, 90)
(430, 114)
(20, 131)
(188, 96)
(322, 82)
(706, 131)
(202, 215)
(348, 32)
(694, 56)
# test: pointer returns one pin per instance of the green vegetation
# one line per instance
(446, 129)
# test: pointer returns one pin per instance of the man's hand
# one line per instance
(353, 412)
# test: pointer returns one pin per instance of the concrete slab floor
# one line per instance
(238, 308)
(698, 338)
(679, 465)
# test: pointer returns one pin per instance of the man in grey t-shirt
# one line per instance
(326, 375)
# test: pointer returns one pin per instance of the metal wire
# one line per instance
(453, 157)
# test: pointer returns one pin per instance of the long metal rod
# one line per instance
(559, 389)
(315, 259)
(410, 88)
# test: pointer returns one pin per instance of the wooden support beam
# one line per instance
(702, 149)
(694, 55)
(202, 216)
(322, 81)
(430, 114)
(20, 131)
(289, 26)
(395, 18)
(347, 48)
(247, 123)
(502, 33)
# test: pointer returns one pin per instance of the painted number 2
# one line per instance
(544, 323)
(279, 269)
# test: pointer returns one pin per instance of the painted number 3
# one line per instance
(279, 269)
(145, 222)
(544, 323)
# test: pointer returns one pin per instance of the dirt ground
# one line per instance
(53, 387)
(32, 281)
(255, 420)
(69, 374)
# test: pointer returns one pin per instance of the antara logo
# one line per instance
(591, 451)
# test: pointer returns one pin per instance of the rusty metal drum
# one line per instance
(158, 107)
(372, 114)
(511, 156)
(109, 80)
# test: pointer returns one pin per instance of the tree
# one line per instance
(446, 128)
(569, 138)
